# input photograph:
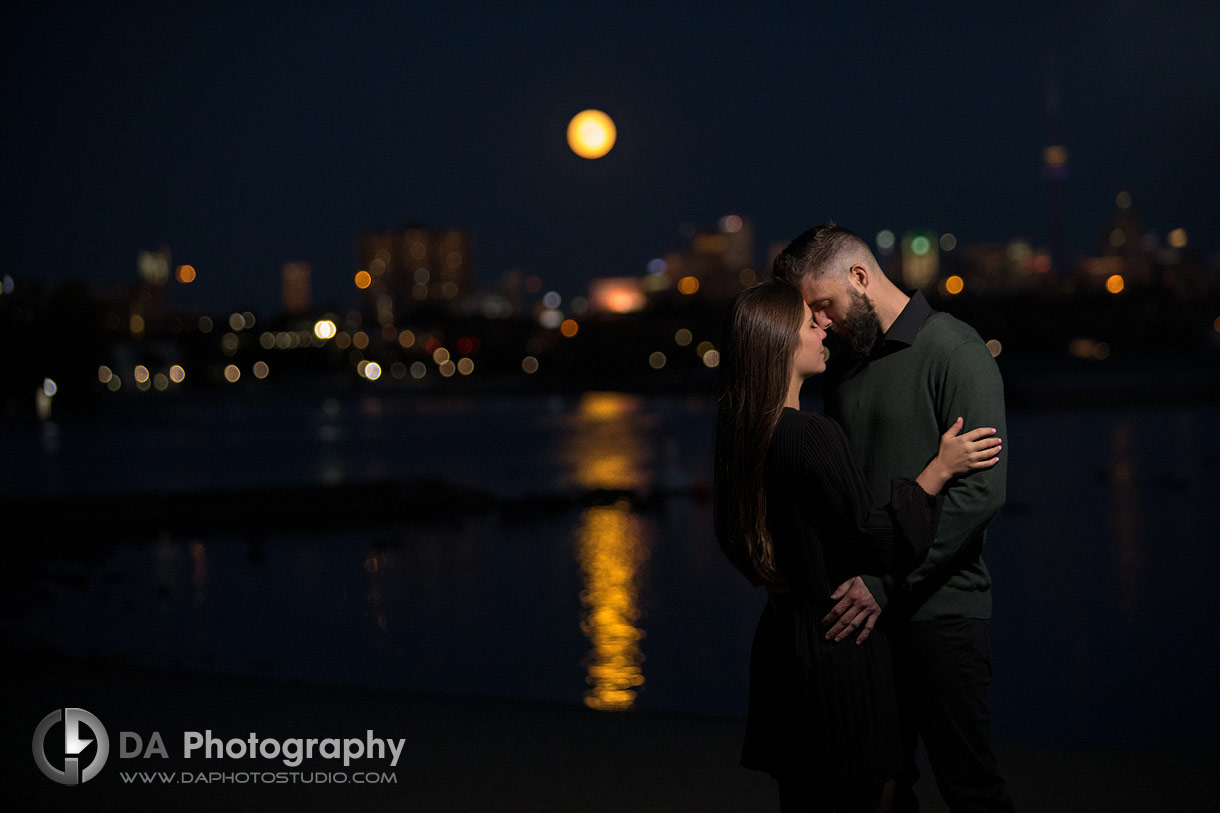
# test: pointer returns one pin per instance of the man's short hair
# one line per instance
(814, 251)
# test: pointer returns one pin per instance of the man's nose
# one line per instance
(821, 319)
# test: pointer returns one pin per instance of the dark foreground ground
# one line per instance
(465, 754)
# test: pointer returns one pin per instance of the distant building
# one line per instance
(413, 266)
(720, 261)
(296, 293)
(148, 301)
(920, 259)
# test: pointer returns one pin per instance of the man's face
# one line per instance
(828, 297)
(838, 306)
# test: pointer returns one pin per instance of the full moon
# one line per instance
(591, 134)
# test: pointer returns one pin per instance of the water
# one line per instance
(1102, 559)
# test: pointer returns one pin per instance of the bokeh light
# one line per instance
(995, 347)
(140, 373)
(885, 240)
(688, 285)
(232, 374)
(569, 328)
(325, 329)
(177, 374)
(529, 365)
(260, 370)
(1115, 284)
(1177, 238)
(363, 279)
(683, 337)
(465, 366)
(186, 274)
(954, 285)
(657, 360)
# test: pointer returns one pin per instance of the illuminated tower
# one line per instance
(1055, 172)
(295, 288)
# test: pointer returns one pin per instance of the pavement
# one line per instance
(473, 754)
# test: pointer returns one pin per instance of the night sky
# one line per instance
(245, 135)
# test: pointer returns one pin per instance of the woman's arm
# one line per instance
(960, 454)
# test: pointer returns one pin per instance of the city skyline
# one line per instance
(247, 139)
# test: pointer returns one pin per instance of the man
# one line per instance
(906, 374)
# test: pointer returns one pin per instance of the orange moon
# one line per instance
(591, 134)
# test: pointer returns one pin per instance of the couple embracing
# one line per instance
(841, 516)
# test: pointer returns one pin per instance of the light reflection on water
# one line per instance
(607, 453)
(611, 550)
(1103, 562)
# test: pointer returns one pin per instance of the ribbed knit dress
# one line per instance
(817, 708)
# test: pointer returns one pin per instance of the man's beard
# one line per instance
(861, 328)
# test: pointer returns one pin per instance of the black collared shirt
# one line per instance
(907, 326)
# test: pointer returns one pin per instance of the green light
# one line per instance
(920, 245)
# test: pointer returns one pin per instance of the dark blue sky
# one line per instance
(244, 135)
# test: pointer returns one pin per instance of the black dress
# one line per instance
(820, 709)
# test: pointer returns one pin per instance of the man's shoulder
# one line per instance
(944, 332)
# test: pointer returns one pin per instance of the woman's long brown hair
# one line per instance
(756, 355)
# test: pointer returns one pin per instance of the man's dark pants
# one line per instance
(943, 671)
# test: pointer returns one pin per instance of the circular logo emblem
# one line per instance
(74, 745)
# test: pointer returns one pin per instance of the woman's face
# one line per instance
(810, 356)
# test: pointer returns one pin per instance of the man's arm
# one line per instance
(970, 386)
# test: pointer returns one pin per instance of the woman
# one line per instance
(794, 514)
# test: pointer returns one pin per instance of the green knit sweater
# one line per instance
(930, 369)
